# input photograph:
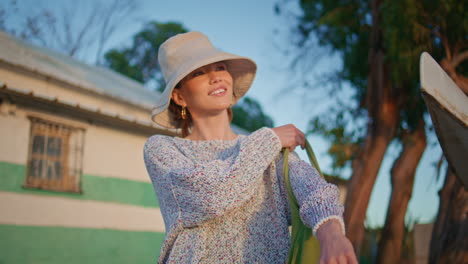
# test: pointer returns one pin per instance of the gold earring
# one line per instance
(183, 113)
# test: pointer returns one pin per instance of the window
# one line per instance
(55, 156)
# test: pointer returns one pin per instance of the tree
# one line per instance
(353, 29)
(74, 28)
(405, 40)
(249, 115)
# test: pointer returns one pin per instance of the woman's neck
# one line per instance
(212, 128)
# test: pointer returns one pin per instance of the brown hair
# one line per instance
(186, 124)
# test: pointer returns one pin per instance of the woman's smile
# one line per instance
(220, 91)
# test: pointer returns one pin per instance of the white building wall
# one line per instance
(14, 139)
(112, 153)
(40, 210)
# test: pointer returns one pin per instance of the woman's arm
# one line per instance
(320, 209)
(318, 200)
(205, 190)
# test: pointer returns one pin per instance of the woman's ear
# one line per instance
(178, 98)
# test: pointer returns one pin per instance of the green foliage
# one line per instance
(249, 115)
(335, 128)
(335, 23)
(447, 20)
(140, 61)
(119, 61)
(406, 38)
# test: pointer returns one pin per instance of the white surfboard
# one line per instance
(448, 107)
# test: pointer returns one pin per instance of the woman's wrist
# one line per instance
(334, 246)
(330, 229)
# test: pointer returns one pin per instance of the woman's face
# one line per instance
(206, 90)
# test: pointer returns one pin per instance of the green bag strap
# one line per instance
(310, 154)
(300, 233)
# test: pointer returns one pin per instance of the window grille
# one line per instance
(55, 156)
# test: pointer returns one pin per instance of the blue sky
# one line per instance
(250, 28)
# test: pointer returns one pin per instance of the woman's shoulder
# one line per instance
(161, 150)
(157, 139)
(157, 142)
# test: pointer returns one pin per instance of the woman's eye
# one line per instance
(197, 73)
(221, 68)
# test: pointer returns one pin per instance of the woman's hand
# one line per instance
(290, 136)
(334, 246)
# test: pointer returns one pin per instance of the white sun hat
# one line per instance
(183, 53)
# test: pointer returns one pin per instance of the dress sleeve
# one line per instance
(318, 200)
(205, 190)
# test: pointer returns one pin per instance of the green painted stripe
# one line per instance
(97, 188)
(118, 190)
(49, 245)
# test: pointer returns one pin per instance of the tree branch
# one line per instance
(459, 58)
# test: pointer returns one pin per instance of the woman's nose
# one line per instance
(215, 77)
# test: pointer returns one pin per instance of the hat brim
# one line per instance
(242, 70)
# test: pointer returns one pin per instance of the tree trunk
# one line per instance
(365, 170)
(383, 120)
(449, 243)
(403, 171)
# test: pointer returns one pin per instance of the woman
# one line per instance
(222, 195)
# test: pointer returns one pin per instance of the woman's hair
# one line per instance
(186, 124)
